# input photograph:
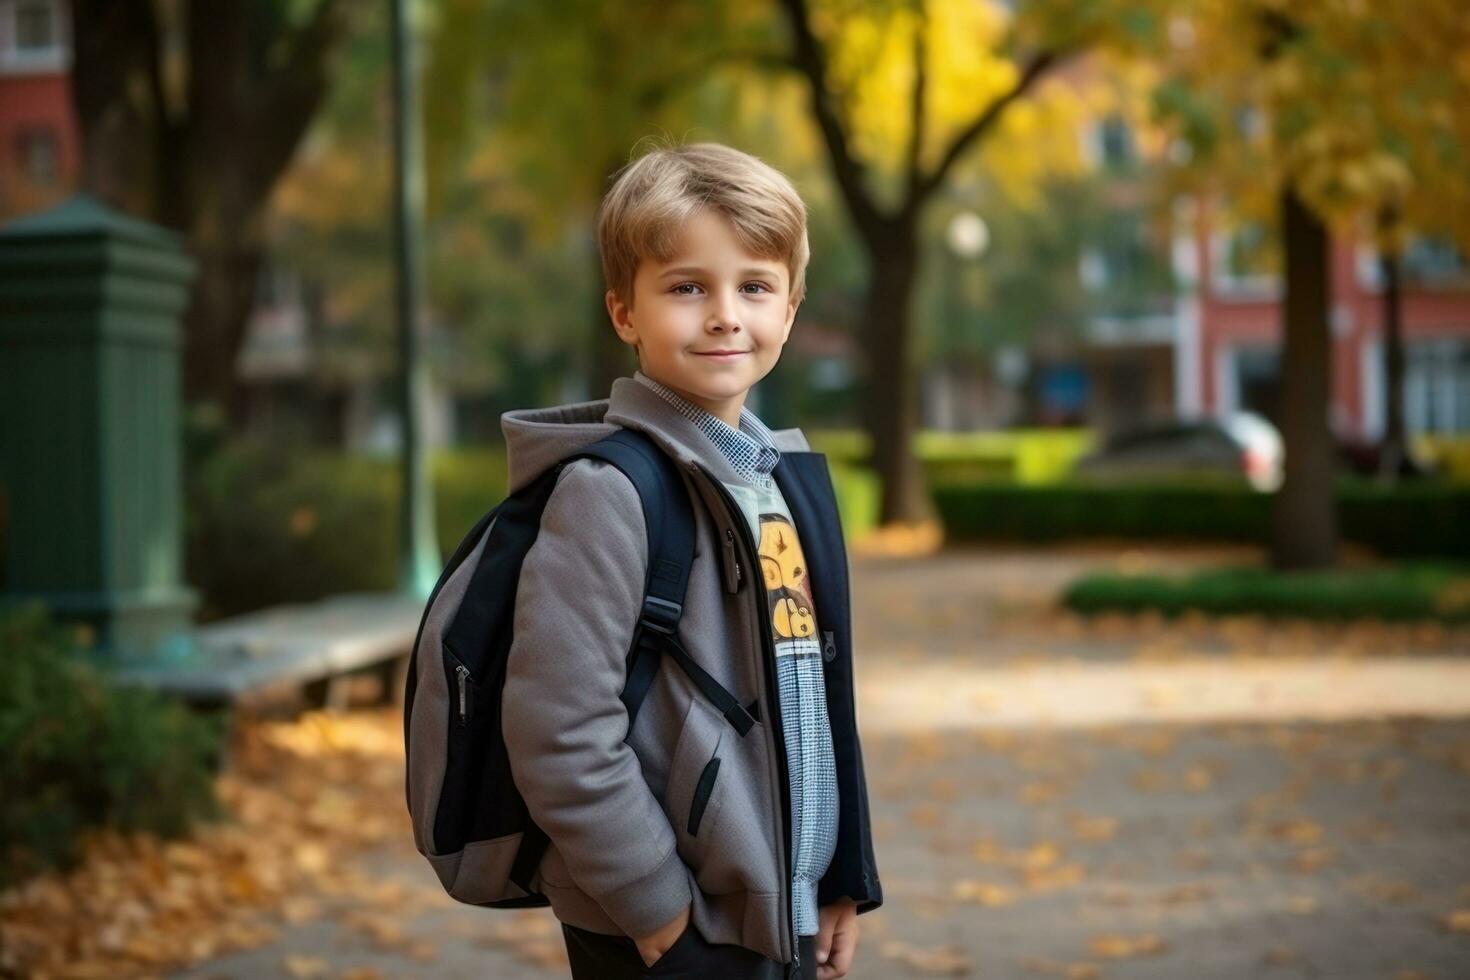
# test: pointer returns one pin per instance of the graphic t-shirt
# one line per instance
(803, 691)
(792, 618)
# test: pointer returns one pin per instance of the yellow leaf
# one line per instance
(1124, 947)
(305, 966)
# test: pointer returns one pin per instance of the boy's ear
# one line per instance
(791, 309)
(618, 311)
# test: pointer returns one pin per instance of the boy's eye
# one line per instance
(688, 288)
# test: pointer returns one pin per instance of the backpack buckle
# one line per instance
(660, 615)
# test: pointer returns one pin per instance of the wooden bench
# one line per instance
(313, 646)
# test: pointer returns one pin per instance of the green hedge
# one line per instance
(1429, 519)
(1021, 455)
(77, 752)
(1409, 592)
(268, 525)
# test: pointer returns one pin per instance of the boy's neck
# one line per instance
(726, 410)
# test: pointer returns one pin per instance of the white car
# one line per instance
(1242, 443)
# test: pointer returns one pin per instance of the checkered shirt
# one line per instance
(750, 449)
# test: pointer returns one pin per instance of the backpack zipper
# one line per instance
(734, 558)
(464, 673)
(768, 654)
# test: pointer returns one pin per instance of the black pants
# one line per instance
(596, 956)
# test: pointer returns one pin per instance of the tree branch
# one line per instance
(295, 92)
(1038, 66)
(849, 172)
(916, 107)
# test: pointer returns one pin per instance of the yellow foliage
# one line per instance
(872, 69)
(1360, 105)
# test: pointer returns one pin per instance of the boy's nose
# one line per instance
(724, 314)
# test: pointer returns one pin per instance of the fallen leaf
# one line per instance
(305, 966)
(1458, 921)
(1125, 947)
(945, 961)
(984, 892)
(1093, 828)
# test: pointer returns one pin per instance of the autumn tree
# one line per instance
(189, 114)
(949, 75)
(571, 87)
(1328, 108)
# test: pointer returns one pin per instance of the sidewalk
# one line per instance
(1114, 801)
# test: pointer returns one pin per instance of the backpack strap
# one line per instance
(669, 517)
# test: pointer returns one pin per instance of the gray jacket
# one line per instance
(616, 802)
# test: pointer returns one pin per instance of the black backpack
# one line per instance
(469, 819)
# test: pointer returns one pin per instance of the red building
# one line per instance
(1229, 329)
(39, 148)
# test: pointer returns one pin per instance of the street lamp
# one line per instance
(968, 237)
(419, 559)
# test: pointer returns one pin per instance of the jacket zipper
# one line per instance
(768, 654)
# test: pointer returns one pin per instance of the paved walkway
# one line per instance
(1054, 799)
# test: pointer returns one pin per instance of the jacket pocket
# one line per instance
(695, 791)
(702, 791)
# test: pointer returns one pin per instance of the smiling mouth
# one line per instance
(722, 353)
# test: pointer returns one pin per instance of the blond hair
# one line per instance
(651, 198)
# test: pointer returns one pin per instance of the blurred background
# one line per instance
(1137, 340)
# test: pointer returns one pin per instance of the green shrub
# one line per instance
(77, 752)
(467, 483)
(268, 526)
(1409, 592)
(1426, 519)
(856, 489)
(1021, 455)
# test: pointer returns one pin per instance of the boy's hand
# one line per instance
(653, 946)
(837, 936)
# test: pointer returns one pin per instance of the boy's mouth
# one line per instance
(722, 354)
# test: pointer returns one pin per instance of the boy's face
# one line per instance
(711, 296)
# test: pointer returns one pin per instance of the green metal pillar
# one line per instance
(419, 558)
(90, 483)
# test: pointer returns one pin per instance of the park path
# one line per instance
(1058, 798)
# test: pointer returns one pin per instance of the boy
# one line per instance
(680, 846)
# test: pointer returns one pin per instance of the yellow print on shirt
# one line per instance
(788, 595)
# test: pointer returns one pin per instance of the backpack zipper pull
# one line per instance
(464, 673)
(730, 544)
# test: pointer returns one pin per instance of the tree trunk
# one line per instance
(890, 393)
(110, 49)
(1304, 525)
(1395, 439)
(215, 327)
(203, 165)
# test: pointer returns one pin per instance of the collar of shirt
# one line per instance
(750, 449)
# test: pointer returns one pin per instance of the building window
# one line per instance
(1258, 381)
(1437, 386)
(35, 26)
(39, 154)
(1109, 144)
(33, 37)
(1247, 260)
(1428, 261)
(1434, 261)
(1117, 143)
